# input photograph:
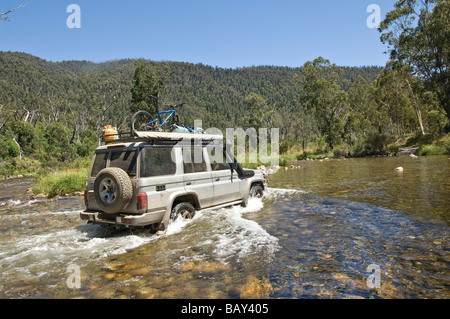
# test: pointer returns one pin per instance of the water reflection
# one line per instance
(422, 189)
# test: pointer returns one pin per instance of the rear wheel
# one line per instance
(184, 210)
(140, 122)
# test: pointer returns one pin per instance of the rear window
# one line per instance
(124, 159)
(99, 163)
(157, 162)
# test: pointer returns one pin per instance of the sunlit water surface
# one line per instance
(314, 235)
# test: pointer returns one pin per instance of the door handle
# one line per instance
(189, 183)
(217, 179)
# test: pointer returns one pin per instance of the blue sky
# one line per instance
(226, 34)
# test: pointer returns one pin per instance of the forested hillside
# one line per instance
(54, 112)
(82, 94)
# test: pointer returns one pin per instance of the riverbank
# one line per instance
(377, 145)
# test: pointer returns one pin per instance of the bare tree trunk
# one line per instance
(20, 149)
(419, 117)
(416, 106)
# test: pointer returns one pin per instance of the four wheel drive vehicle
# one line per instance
(147, 181)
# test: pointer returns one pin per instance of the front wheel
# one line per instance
(256, 191)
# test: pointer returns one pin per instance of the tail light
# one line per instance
(142, 201)
(127, 220)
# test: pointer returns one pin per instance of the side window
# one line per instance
(99, 163)
(157, 162)
(193, 160)
(218, 161)
(124, 159)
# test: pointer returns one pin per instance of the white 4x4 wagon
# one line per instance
(147, 181)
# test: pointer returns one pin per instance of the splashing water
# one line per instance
(291, 244)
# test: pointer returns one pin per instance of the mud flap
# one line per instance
(163, 225)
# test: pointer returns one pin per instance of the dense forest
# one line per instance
(54, 112)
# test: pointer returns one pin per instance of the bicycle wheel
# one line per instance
(142, 121)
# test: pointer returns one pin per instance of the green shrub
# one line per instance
(427, 149)
(61, 183)
(376, 144)
(342, 151)
(393, 149)
(284, 159)
(303, 156)
(12, 149)
(24, 134)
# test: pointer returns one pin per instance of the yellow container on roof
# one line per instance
(109, 133)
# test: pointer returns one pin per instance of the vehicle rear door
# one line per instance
(158, 176)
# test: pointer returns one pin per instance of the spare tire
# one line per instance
(113, 190)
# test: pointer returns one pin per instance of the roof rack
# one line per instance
(160, 136)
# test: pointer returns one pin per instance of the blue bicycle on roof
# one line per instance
(144, 121)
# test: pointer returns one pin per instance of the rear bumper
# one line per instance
(123, 220)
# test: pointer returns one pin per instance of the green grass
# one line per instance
(427, 149)
(61, 183)
(438, 146)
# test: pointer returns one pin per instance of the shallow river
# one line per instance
(351, 228)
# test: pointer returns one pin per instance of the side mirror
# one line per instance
(248, 173)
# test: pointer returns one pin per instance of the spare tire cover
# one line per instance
(113, 190)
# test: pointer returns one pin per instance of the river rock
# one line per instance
(255, 288)
(122, 277)
(109, 276)
(39, 196)
(132, 266)
(112, 266)
(352, 297)
(161, 282)
(388, 291)
(142, 271)
(207, 268)
(147, 293)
